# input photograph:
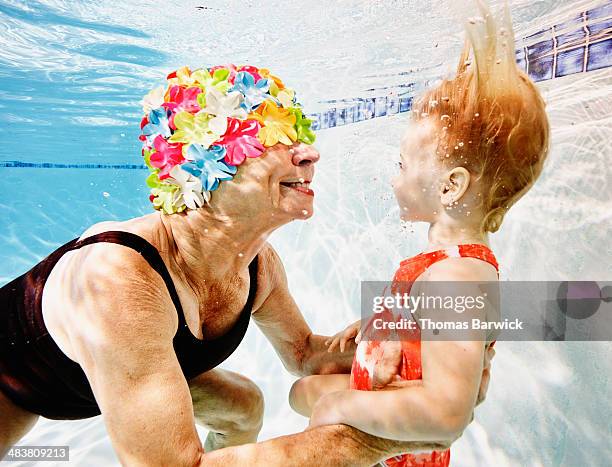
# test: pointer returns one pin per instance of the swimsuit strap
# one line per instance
(472, 250)
(148, 252)
(152, 256)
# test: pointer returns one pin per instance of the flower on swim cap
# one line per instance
(206, 122)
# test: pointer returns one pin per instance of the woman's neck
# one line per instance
(207, 246)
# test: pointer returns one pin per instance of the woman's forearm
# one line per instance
(410, 414)
(318, 361)
(337, 445)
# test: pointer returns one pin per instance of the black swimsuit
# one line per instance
(37, 376)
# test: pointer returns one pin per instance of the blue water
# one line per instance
(72, 74)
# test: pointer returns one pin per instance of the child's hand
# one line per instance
(352, 330)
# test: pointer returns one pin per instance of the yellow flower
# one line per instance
(265, 73)
(183, 77)
(277, 124)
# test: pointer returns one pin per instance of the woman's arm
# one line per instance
(279, 318)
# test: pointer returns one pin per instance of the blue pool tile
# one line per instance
(521, 59)
(600, 55)
(571, 38)
(598, 26)
(331, 118)
(392, 105)
(316, 121)
(570, 61)
(370, 108)
(405, 103)
(360, 116)
(350, 113)
(540, 66)
(340, 117)
(380, 106)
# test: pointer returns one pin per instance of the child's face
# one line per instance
(416, 184)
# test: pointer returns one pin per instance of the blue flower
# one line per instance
(208, 165)
(254, 94)
(158, 125)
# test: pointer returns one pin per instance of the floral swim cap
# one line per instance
(206, 122)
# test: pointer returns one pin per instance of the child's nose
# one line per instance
(304, 154)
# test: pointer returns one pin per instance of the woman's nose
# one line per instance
(304, 154)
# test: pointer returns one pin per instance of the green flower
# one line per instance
(302, 126)
(217, 80)
(193, 129)
(165, 196)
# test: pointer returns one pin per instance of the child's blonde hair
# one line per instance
(490, 116)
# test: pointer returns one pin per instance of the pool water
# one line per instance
(71, 77)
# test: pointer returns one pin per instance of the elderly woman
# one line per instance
(131, 319)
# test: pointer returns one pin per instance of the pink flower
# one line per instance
(251, 69)
(166, 156)
(183, 99)
(240, 141)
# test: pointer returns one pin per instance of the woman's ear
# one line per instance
(454, 185)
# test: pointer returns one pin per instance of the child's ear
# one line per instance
(454, 185)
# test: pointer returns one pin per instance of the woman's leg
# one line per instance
(15, 422)
(230, 405)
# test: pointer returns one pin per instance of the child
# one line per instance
(475, 145)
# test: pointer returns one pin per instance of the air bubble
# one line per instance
(240, 255)
(445, 99)
(205, 230)
(106, 194)
(456, 147)
(305, 212)
(476, 114)
(444, 117)
(461, 144)
(498, 61)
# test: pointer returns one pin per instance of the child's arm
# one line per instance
(438, 407)
(306, 391)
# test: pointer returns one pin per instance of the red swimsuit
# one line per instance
(410, 369)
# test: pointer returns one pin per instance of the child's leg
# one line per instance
(306, 391)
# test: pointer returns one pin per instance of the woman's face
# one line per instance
(416, 183)
(278, 182)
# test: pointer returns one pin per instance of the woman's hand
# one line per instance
(350, 332)
(486, 374)
(388, 358)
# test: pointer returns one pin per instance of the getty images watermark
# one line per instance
(38, 453)
(508, 310)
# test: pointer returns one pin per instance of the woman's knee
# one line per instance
(250, 405)
(15, 423)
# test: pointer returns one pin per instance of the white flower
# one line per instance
(285, 97)
(190, 188)
(153, 100)
(223, 106)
